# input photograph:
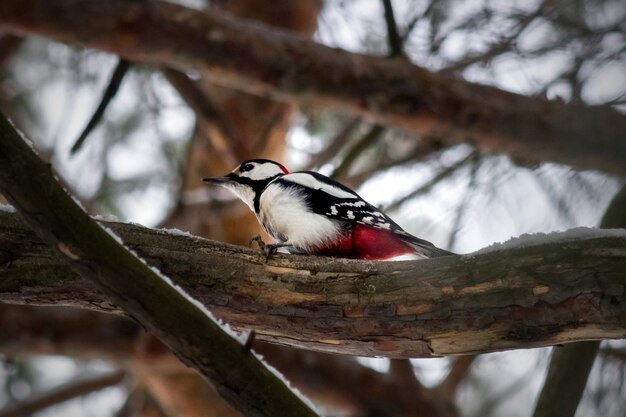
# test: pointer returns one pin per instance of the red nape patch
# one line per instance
(285, 170)
(366, 242)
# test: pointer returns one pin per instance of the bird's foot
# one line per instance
(269, 249)
(258, 241)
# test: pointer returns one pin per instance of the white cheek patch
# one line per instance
(244, 193)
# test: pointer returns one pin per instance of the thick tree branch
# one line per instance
(566, 379)
(553, 292)
(325, 378)
(266, 61)
(197, 339)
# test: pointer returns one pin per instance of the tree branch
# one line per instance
(555, 291)
(356, 150)
(208, 114)
(393, 37)
(566, 379)
(29, 330)
(392, 92)
(195, 337)
(570, 365)
(120, 71)
(334, 146)
(63, 393)
(459, 370)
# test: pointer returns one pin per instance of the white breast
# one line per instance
(288, 219)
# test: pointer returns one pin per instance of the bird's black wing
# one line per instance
(329, 198)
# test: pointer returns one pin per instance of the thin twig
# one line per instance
(356, 150)
(615, 353)
(416, 19)
(208, 113)
(460, 212)
(393, 38)
(558, 199)
(499, 47)
(63, 393)
(120, 71)
(459, 370)
(444, 173)
(335, 145)
(426, 148)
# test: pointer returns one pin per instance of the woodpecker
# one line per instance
(307, 212)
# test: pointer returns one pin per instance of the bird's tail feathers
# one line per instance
(426, 248)
(434, 252)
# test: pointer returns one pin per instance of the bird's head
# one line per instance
(249, 178)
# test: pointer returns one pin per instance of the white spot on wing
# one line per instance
(360, 203)
(351, 215)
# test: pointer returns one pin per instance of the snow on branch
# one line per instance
(532, 291)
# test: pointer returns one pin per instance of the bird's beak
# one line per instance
(225, 181)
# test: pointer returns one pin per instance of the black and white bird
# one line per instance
(310, 213)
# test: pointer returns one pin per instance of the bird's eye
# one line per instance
(246, 167)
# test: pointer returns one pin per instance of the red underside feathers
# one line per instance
(367, 243)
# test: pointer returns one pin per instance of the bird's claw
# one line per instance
(268, 249)
(258, 241)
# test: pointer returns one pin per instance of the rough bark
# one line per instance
(263, 61)
(554, 292)
(131, 284)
